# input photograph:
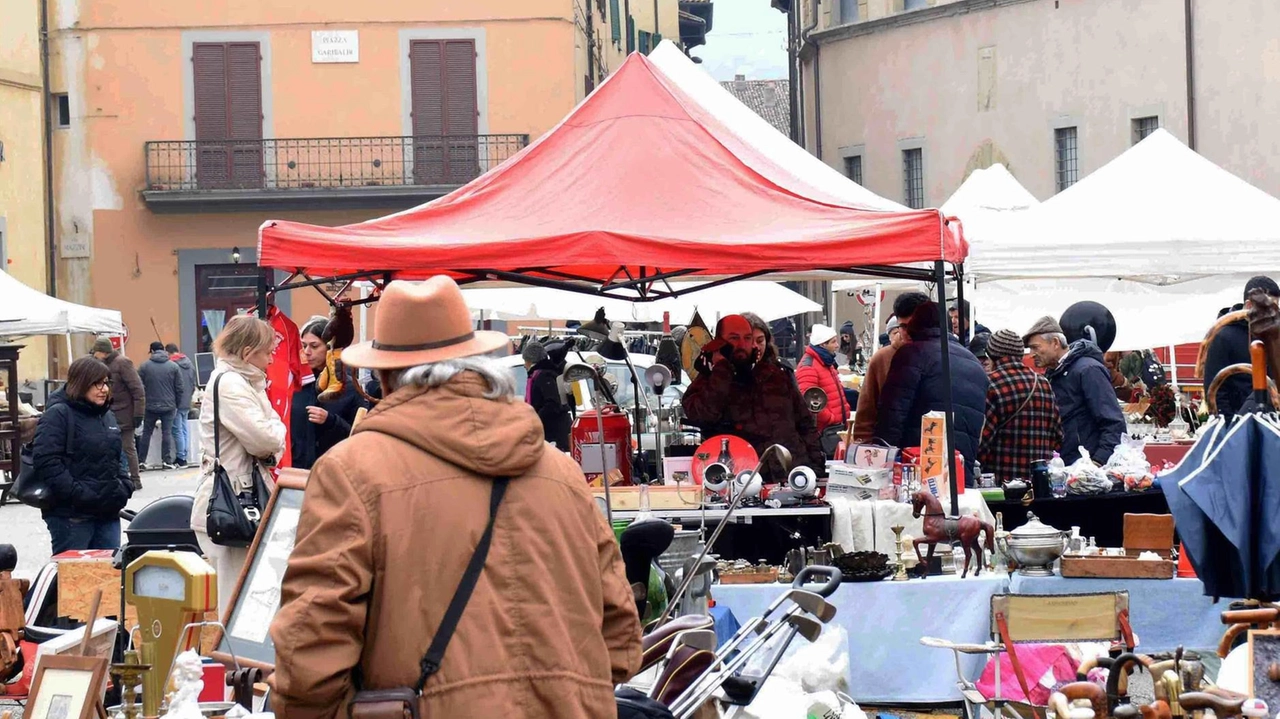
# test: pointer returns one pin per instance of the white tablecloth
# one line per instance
(864, 524)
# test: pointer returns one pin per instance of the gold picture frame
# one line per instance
(67, 687)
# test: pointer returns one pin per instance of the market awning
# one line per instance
(639, 181)
(39, 314)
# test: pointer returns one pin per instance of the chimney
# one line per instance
(739, 78)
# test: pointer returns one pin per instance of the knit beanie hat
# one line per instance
(533, 353)
(102, 344)
(1005, 343)
(820, 335)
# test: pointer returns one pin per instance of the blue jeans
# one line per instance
(180, 435)
(83, 533)
(166, 435)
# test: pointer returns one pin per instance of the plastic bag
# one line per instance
(1085, 477)
(821, 666)
(1129, 466)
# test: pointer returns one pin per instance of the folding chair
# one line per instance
(1038, 619)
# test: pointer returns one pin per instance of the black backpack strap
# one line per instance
(430, 663)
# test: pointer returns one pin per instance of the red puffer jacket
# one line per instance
(813, 371)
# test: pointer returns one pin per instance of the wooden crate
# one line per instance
(1129, 567)
(765, 577)
(80, 573)
(685, 496)
(1149, 533)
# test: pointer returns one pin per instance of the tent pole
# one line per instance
(262, 292)
(1173, 363)
(964, 319)
(70, 354)
(875, 330)
(940, 269)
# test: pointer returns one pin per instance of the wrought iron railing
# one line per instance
(325, 163)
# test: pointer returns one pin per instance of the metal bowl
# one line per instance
(1035, 546)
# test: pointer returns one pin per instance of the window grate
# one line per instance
(853, 168)
(1144, 126)
(913, 178)
(1067, 157)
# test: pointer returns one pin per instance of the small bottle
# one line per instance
(724, 457)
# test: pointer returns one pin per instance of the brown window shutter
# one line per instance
(460, 87)
(426, 71)
(209, 72)
(244, 88)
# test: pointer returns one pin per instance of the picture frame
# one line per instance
(67, 687)
(256, 597)
(1264, 651)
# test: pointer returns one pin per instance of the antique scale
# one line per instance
(171, 590)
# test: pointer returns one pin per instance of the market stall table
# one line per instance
(1166, 613)
(1158, 454)
(885, 621)
(1097, 515)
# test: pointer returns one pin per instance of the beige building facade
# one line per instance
(908, 97)
(189, 124)
(22, 181)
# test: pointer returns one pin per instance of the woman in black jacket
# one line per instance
(315, 427)
(78, 453)
(542, 391)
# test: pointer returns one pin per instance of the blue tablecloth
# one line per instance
(885, 621)
(725, 622)
(1164, 613)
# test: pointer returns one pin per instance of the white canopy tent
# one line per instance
(1159, 213)
(768, 299)
(1160, 235)
(41, 314)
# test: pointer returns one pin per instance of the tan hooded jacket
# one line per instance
(390, 520)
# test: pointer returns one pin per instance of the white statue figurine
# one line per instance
(188, 682)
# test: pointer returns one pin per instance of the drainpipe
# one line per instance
(591, 60)
(50, 246)
(792, 77)
(804, 38)
(1191, 75)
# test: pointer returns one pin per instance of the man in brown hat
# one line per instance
(394, 515)
(1022, 419)
(1091, 416)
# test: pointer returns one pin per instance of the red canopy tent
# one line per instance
(630, 184)
(639, 184)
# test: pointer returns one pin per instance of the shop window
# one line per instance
(222, 292)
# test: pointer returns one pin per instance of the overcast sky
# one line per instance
(748, 37)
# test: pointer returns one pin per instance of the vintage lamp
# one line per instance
(171, 590)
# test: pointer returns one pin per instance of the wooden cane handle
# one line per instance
(1211, 395)
(1096, 697)
(1258, 358)
(1265, 615)
(1221, 706)
(1224, 647)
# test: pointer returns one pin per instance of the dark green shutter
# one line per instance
(631, 35)
(643, 42)
(657, 38)
(615, 20)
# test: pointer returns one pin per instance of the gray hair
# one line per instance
(501, 381)
(1058, 337)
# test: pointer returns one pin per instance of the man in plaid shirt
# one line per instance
(1022, 417)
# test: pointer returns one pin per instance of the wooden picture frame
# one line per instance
(67, 687)
(256, 597)
(1264, 650)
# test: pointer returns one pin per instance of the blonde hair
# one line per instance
(243, 332)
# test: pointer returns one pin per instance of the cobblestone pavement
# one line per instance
(22, 526)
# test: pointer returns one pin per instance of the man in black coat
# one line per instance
(128, 401)
(1091, 416)
(1231, 346)
(916, 385)
(543, 393)
(163, 382)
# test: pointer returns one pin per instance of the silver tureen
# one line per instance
(1035, 546)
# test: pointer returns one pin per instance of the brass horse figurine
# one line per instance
(940, 528)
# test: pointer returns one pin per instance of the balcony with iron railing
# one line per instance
(316, 173)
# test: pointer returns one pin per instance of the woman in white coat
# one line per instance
(251, 434)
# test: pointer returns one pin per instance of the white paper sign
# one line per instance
(335, 46)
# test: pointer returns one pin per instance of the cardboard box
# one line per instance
(80, 572)
(858, 482)
(871, 456)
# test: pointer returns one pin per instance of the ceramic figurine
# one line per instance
(188, 682)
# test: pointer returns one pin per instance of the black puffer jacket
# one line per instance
(308, 441)
(916, 385)
(87, 479)
(545, 398)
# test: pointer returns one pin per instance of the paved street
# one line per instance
(22, 526)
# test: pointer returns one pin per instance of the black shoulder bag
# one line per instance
(31, 488)
(232, 518)
(402, 702)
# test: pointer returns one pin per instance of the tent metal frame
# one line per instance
(623, 282)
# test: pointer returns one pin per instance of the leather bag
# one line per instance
(233, 517)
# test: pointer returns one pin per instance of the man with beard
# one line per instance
(739, 394)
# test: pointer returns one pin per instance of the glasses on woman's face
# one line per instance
(102, 384)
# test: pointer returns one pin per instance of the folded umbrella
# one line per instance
(1267, 505)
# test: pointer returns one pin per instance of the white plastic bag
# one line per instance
(1129, 466)
(821, 666)
(1085, 477)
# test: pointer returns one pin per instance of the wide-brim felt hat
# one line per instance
(421, 323)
